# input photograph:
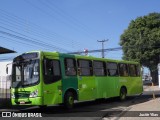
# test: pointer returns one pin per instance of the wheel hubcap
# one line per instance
(70, 100)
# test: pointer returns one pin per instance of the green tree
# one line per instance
(141, 42)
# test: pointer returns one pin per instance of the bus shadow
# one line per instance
(92, 108)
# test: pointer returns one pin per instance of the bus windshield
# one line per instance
(25, 73)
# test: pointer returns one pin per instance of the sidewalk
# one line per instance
(150, 88)
(149, 110)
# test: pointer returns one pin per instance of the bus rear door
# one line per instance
(86, 80)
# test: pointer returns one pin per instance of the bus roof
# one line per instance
(82, 57)
(87, 57)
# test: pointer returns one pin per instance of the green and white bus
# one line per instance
(48, 78)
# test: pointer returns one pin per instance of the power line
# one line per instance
(67, 16)
(50, 14)
(10, 18)
(115, 49)
(37, 35)
(21, 43)
(29, 39)
(99, 50)
(15, 19)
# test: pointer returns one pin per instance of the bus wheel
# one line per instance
(123, 94)
(69, 100)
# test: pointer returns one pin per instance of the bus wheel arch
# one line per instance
(69, 97)
(123, 93)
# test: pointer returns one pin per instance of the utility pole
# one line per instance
(102, 41)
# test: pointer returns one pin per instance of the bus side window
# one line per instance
(123, 69)
(138, 70)
(52, 71)
(99, 68)
(132, 70)
(112, 69)
(48, 67)
(70, 67)
(85, 68)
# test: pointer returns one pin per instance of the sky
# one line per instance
(68, 25)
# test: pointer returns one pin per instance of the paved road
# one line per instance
(92, 110)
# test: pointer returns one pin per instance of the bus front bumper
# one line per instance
(27, 101)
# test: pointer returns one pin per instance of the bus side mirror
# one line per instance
(7, 70)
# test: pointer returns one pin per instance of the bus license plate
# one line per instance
(22, 102)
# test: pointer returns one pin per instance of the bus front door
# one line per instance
(52, 86)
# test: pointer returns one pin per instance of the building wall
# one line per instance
(5, 79)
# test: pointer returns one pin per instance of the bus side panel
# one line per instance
(106, 87)
(111, 83)
(135, 86)
(52, 93)
(102, 87)
(87, 88)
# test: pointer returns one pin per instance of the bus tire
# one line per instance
(69, 100)
(123, 94)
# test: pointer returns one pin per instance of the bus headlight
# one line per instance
(34, 93)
